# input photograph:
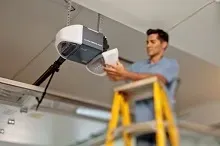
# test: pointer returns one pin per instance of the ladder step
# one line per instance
(137, 128)
(138, 89)
(136, 84)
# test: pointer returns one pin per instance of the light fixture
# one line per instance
(2, 131)
(11, 121)
(93, 113)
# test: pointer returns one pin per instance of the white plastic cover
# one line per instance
(96, 66)
(71, 35)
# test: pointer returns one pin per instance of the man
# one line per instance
(156, 65)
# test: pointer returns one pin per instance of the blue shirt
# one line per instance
(169, 68)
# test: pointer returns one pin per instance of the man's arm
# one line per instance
(165, 73)
(139, 76)
(132, 76)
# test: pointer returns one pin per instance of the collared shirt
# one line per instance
(169, 68)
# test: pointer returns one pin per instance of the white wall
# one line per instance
(66, 130)
(27, 130)
(44, 129)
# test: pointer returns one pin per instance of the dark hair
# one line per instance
(162, 35)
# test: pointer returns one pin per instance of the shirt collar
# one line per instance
(148, 61)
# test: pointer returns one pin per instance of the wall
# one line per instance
(66, 130)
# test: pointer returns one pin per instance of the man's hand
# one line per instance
(114, 78)
(115, 72)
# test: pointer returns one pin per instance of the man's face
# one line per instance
(154, 46)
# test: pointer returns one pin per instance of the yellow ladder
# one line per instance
(163, 113)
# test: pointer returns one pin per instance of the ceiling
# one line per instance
(28, 28)
(193, 25)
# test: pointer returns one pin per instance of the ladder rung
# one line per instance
(137, 128)
(148, 127)
(134, 129)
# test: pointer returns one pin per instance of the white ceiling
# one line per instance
(193, 25)
(29, 26)
(141, 14)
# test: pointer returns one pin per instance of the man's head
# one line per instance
(157, 42)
